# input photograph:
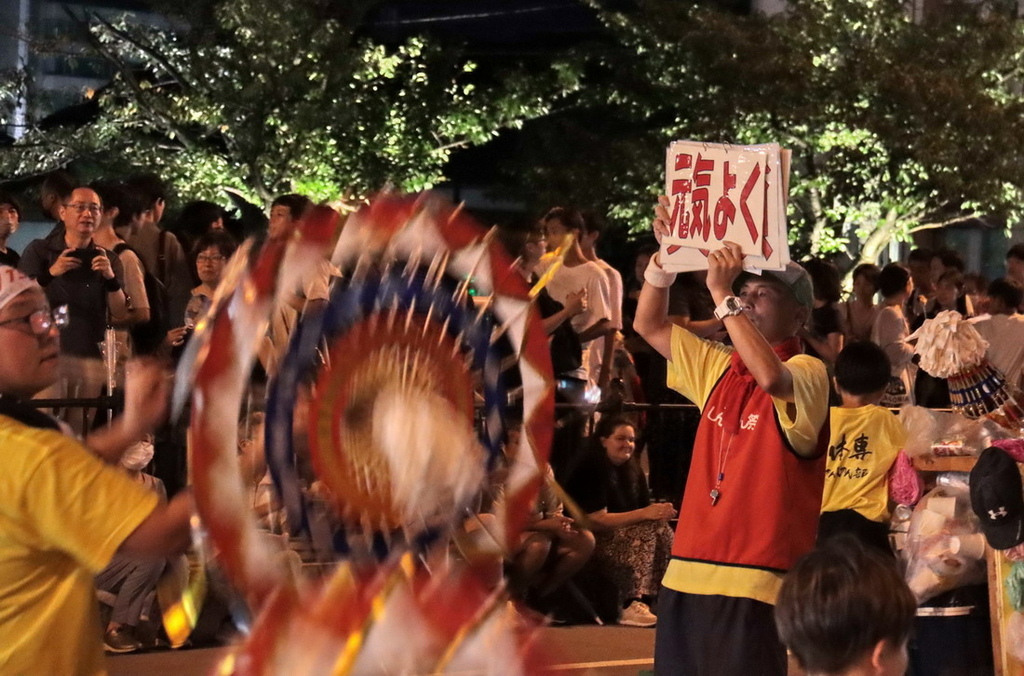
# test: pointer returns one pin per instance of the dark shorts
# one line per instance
(701, 635)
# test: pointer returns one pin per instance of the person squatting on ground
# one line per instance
(65, 510)
(845, 610)
(131, 580)
(753, 493)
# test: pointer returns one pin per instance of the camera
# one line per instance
(85, 256)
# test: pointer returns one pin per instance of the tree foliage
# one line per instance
(266, 97)
(895, 122)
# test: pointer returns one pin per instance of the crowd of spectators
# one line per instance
(125, 276)
(583, 304)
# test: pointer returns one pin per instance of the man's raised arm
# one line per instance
(651, 320)
(724, 266)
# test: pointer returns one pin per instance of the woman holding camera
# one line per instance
(210, 256)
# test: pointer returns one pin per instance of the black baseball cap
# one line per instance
(998, 499)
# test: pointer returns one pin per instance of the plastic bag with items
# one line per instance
(944, 548)
(933, 433)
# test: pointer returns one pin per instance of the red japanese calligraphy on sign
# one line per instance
(723, 193)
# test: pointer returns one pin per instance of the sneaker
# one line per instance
(638, 615)
(121, 640)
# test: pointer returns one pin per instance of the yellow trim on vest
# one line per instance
(695, 577)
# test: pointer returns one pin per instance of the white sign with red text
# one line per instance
(721, 193)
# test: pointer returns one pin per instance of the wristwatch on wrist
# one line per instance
(729, 307)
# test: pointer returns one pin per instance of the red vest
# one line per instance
(766, 514)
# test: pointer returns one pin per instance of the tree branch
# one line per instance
(139, 95)
(175, 74)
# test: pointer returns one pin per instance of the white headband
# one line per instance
(13, 283)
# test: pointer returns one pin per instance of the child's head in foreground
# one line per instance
(862, 373)
(845, 609)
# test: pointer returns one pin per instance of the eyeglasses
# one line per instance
(79, 208)
(40, 322)
(209, 258)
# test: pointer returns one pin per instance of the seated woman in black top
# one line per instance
(634, 540)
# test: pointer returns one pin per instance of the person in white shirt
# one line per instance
(574, 274)
(1003, 328)
(314, 286)
(604, 347)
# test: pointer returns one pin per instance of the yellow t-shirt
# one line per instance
(63, 514)
(694, 370)
(698, 364)
(862, 448)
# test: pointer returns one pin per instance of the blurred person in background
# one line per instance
(1003, 328)
(159, 250)
(859, 310)
(195, 220)
(823, 335)
(10, 217)
(890, 332)
(211, 254)
(919, 263)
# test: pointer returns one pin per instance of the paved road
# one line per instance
(601, 651)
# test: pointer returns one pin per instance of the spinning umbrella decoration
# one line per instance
(951, 348)
(397, 393)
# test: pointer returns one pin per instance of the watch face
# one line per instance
(729, 307)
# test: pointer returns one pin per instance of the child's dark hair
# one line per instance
(838, 602)
(594, 222)
(950, 259)
(920, 255)
(862, 368)
(117, 195)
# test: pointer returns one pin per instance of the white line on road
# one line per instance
(600, 665)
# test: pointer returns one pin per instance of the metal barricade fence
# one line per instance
(665, 432)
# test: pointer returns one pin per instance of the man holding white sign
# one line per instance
(754, 488)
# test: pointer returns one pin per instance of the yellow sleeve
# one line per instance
(82, 506)
(895, 435)
(696, 365)
(897, 432)
(802, 419)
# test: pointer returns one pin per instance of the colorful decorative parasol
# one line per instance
(382, 426)
(950, 347)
